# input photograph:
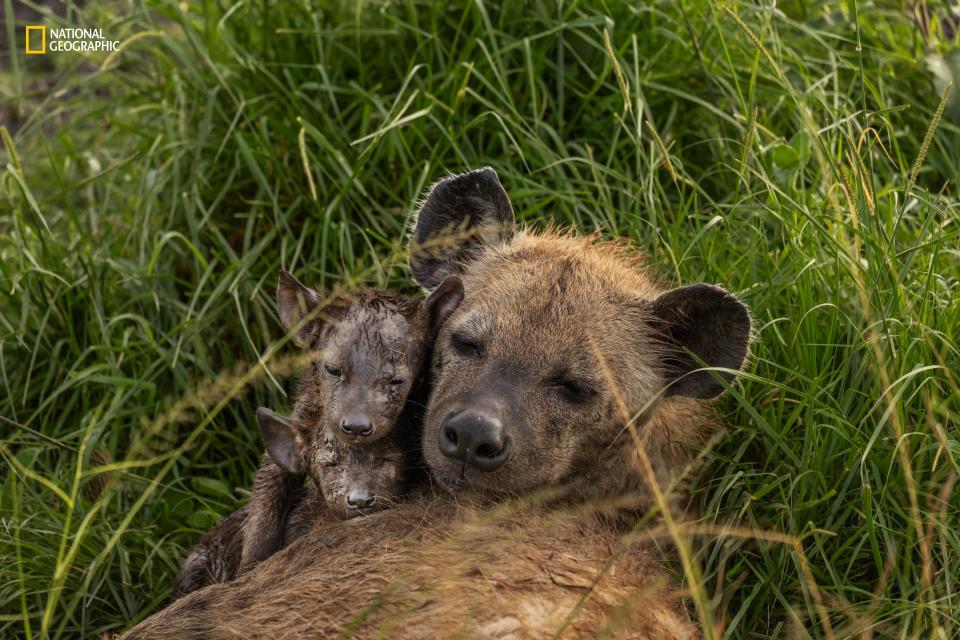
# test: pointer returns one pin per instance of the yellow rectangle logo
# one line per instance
(43, 39)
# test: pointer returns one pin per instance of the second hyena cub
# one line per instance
(356, 415)
(345, 480)
(354, 428)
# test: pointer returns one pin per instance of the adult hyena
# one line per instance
(563, 361)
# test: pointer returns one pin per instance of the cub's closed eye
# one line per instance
(332, 370)
(575, 391)
(464, 344)
(396, 382)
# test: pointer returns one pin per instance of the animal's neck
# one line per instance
(660, 449)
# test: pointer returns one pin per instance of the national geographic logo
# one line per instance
(37, 31)
(81, 40)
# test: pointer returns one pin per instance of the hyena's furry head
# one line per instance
(559, 340)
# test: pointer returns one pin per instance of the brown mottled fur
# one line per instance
(563, 339)
(404, 573)
(584, 302)
(217, 557)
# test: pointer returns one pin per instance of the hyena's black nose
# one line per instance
(361, 499)
(356, 425)
(477, 439)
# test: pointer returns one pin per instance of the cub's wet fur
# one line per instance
(356, 413)
(354, 426)
(215, 558)
(351, 481)
(345, 480)
(372, 348)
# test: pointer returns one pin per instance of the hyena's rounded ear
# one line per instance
(280, 440)
(443, 301)
(708, 322)
(458, 216)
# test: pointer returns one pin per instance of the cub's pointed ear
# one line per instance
(442, 301)
(281, 441)
(294, 302)
(709, 322)
(458, 216)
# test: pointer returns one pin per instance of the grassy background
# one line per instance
(147, 201)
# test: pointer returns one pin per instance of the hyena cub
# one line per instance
(345, 480)
(354, 428)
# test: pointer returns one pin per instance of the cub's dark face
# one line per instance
(370, 351)
(354, 480)
(358, 480)
(371, 348)
(365, 370)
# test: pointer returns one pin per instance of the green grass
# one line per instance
(145, 208)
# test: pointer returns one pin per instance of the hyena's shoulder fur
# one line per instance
(415, 581)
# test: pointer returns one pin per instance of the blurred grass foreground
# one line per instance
(803, 154)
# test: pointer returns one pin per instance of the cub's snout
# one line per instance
(362, 500)
(357, 426)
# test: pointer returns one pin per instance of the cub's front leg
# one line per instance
(275, 493)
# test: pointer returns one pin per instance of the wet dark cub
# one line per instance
(355, 426)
